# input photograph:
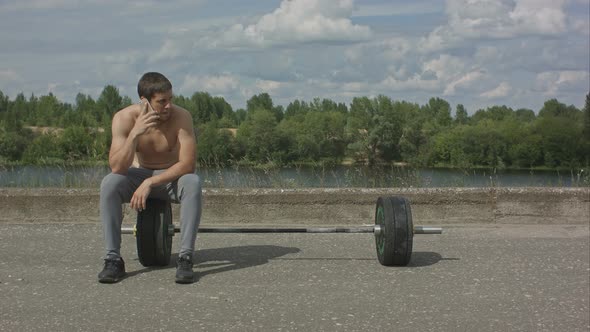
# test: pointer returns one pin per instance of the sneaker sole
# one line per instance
(111, 281)
(185, 281)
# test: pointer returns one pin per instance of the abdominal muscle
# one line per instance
(155, 153)
(153, 163)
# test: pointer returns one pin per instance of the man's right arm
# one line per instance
(124, 143)
(125, 132)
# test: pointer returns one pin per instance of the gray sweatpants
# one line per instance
(117, 189)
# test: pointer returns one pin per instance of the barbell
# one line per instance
(393, 231)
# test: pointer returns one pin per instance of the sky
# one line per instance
(478, 53)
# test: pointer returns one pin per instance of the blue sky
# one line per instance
(480, 53)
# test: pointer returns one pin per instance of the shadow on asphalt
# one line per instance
(218, 260)
(427, 258)
(419, 259)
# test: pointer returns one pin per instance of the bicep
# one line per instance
(120, 131)
(186, 138)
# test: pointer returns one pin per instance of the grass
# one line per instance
(84, 175)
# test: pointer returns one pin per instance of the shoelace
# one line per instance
(111, 264)
(185, 263)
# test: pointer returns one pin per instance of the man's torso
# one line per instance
(158, 148)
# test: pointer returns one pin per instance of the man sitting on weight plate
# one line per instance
(152, 155)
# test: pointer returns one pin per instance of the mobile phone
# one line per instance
(150, 105)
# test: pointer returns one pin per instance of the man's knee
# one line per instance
(111, 183)
(191, 183)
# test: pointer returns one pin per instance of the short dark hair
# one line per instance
(152, 83)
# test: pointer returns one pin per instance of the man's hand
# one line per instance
(138, 201)
(147, 118)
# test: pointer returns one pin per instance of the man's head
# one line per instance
(152, 83)
(157, 89)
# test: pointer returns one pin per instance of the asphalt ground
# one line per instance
(470, 278)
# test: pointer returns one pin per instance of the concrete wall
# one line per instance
(430, 206)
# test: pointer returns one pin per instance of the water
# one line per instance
(309, 177)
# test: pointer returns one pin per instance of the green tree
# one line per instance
(108, 103)
(485, 145)
(585, 139)
(438, 110)
(374, 129)
(13, 119)
(587, 117)
(83, 112)
(43, 150)
(259, 139)
(12, 145)
(223, 110)
(495, 113)
(449, 148)
(296, 108)
(203, 110)
(560, 140)
(241, 115)
(216, 146)
(553, 108)
(525, 115)
(77, 143)
(461, 116)
(263, 101)
(3, 103)
(315, 136)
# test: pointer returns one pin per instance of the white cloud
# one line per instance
(170, 50)
(463, 81)
(552, 82)
(446, 67)
(397, 8)
(268, 85)
(211, 83)
(502, 90)
(355, 87)
(581, 26)
(496, 19)
(118, 67)
(393, 48)
(486, 54)
(36, 4)
(9, 75)
(51, 87)
(303, 49)
(545, 17)
(297, 21)
(414, 82)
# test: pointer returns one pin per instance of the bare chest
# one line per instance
(158, 142)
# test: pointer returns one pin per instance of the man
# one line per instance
(159, 136)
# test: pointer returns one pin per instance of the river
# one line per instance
(305, 177)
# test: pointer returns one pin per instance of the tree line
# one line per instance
(370, 131)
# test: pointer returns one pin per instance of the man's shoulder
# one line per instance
(182, 114)
(128, 113)
(182, 111)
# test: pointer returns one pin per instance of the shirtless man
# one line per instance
(159, 136)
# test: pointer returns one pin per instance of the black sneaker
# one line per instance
(184, 270)
(114, 270)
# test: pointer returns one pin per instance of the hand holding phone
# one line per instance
(147, 118)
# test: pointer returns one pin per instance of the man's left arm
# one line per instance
(185, 164)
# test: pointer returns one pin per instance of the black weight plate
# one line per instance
(154, 242)
(385, 239)
(394, 242)
(404, 231)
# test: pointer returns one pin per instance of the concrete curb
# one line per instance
(326, 206)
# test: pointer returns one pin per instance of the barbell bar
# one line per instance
(376, 229)
(393, 230)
